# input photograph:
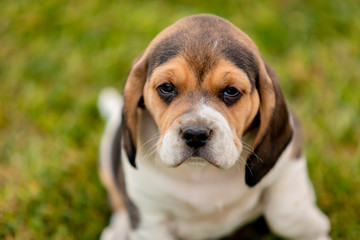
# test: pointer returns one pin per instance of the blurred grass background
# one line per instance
(55, 57)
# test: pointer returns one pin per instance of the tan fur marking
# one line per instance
(133, 92)
(267, 102)
(191, 92)
(178, 73)
(244, 111)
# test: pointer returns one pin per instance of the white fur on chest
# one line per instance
(193, 199)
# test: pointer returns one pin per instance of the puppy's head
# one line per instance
(205, 84)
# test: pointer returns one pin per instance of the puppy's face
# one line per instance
(205, 84)
(200, 121)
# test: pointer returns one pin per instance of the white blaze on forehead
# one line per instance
(220, 150)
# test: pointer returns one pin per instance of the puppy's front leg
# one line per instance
(119, 227)
(290, 209)
(152, 226)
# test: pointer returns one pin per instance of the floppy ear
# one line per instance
(133, 98)
(275, 130)
(126, 132)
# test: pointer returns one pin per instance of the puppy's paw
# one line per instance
(118, 228)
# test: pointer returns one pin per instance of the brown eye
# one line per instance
(167, 92)
(231, 92)
(230, 95)
(166, 88)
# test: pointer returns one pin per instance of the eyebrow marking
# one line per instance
(202, 42)
(167, 49)
(243, 59)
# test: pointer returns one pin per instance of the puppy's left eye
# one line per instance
(231, 92)
(167, 92)
(230, 95)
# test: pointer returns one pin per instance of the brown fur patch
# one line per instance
(121, 197)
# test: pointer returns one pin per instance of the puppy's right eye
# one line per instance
(166, 88)
(167, 92)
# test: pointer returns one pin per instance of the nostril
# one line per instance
(196, 136)
(192, 135)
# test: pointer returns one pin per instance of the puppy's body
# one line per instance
(196, 112)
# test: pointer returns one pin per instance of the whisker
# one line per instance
(150, 152)
(154, 137)
(249, 169)
(249, 148)
(238, 164)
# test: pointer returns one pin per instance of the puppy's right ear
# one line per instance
(275, 130)
(133, 98)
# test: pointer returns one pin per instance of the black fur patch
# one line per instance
(118, 171)
(275, 140)
(167, 49)
(128, 142)
(243, 59)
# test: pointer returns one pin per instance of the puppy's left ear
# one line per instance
(274, 132)
(133, 99)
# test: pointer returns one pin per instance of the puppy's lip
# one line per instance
(192, 161)
(196, 161)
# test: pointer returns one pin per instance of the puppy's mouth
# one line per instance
(200, 138)
(196, 161)
(218, 152)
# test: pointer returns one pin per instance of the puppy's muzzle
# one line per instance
(196, 136)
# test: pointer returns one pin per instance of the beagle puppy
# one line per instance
(203, 142)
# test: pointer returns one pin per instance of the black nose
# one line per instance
(196, 136)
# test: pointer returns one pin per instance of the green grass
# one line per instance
(55, 57)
